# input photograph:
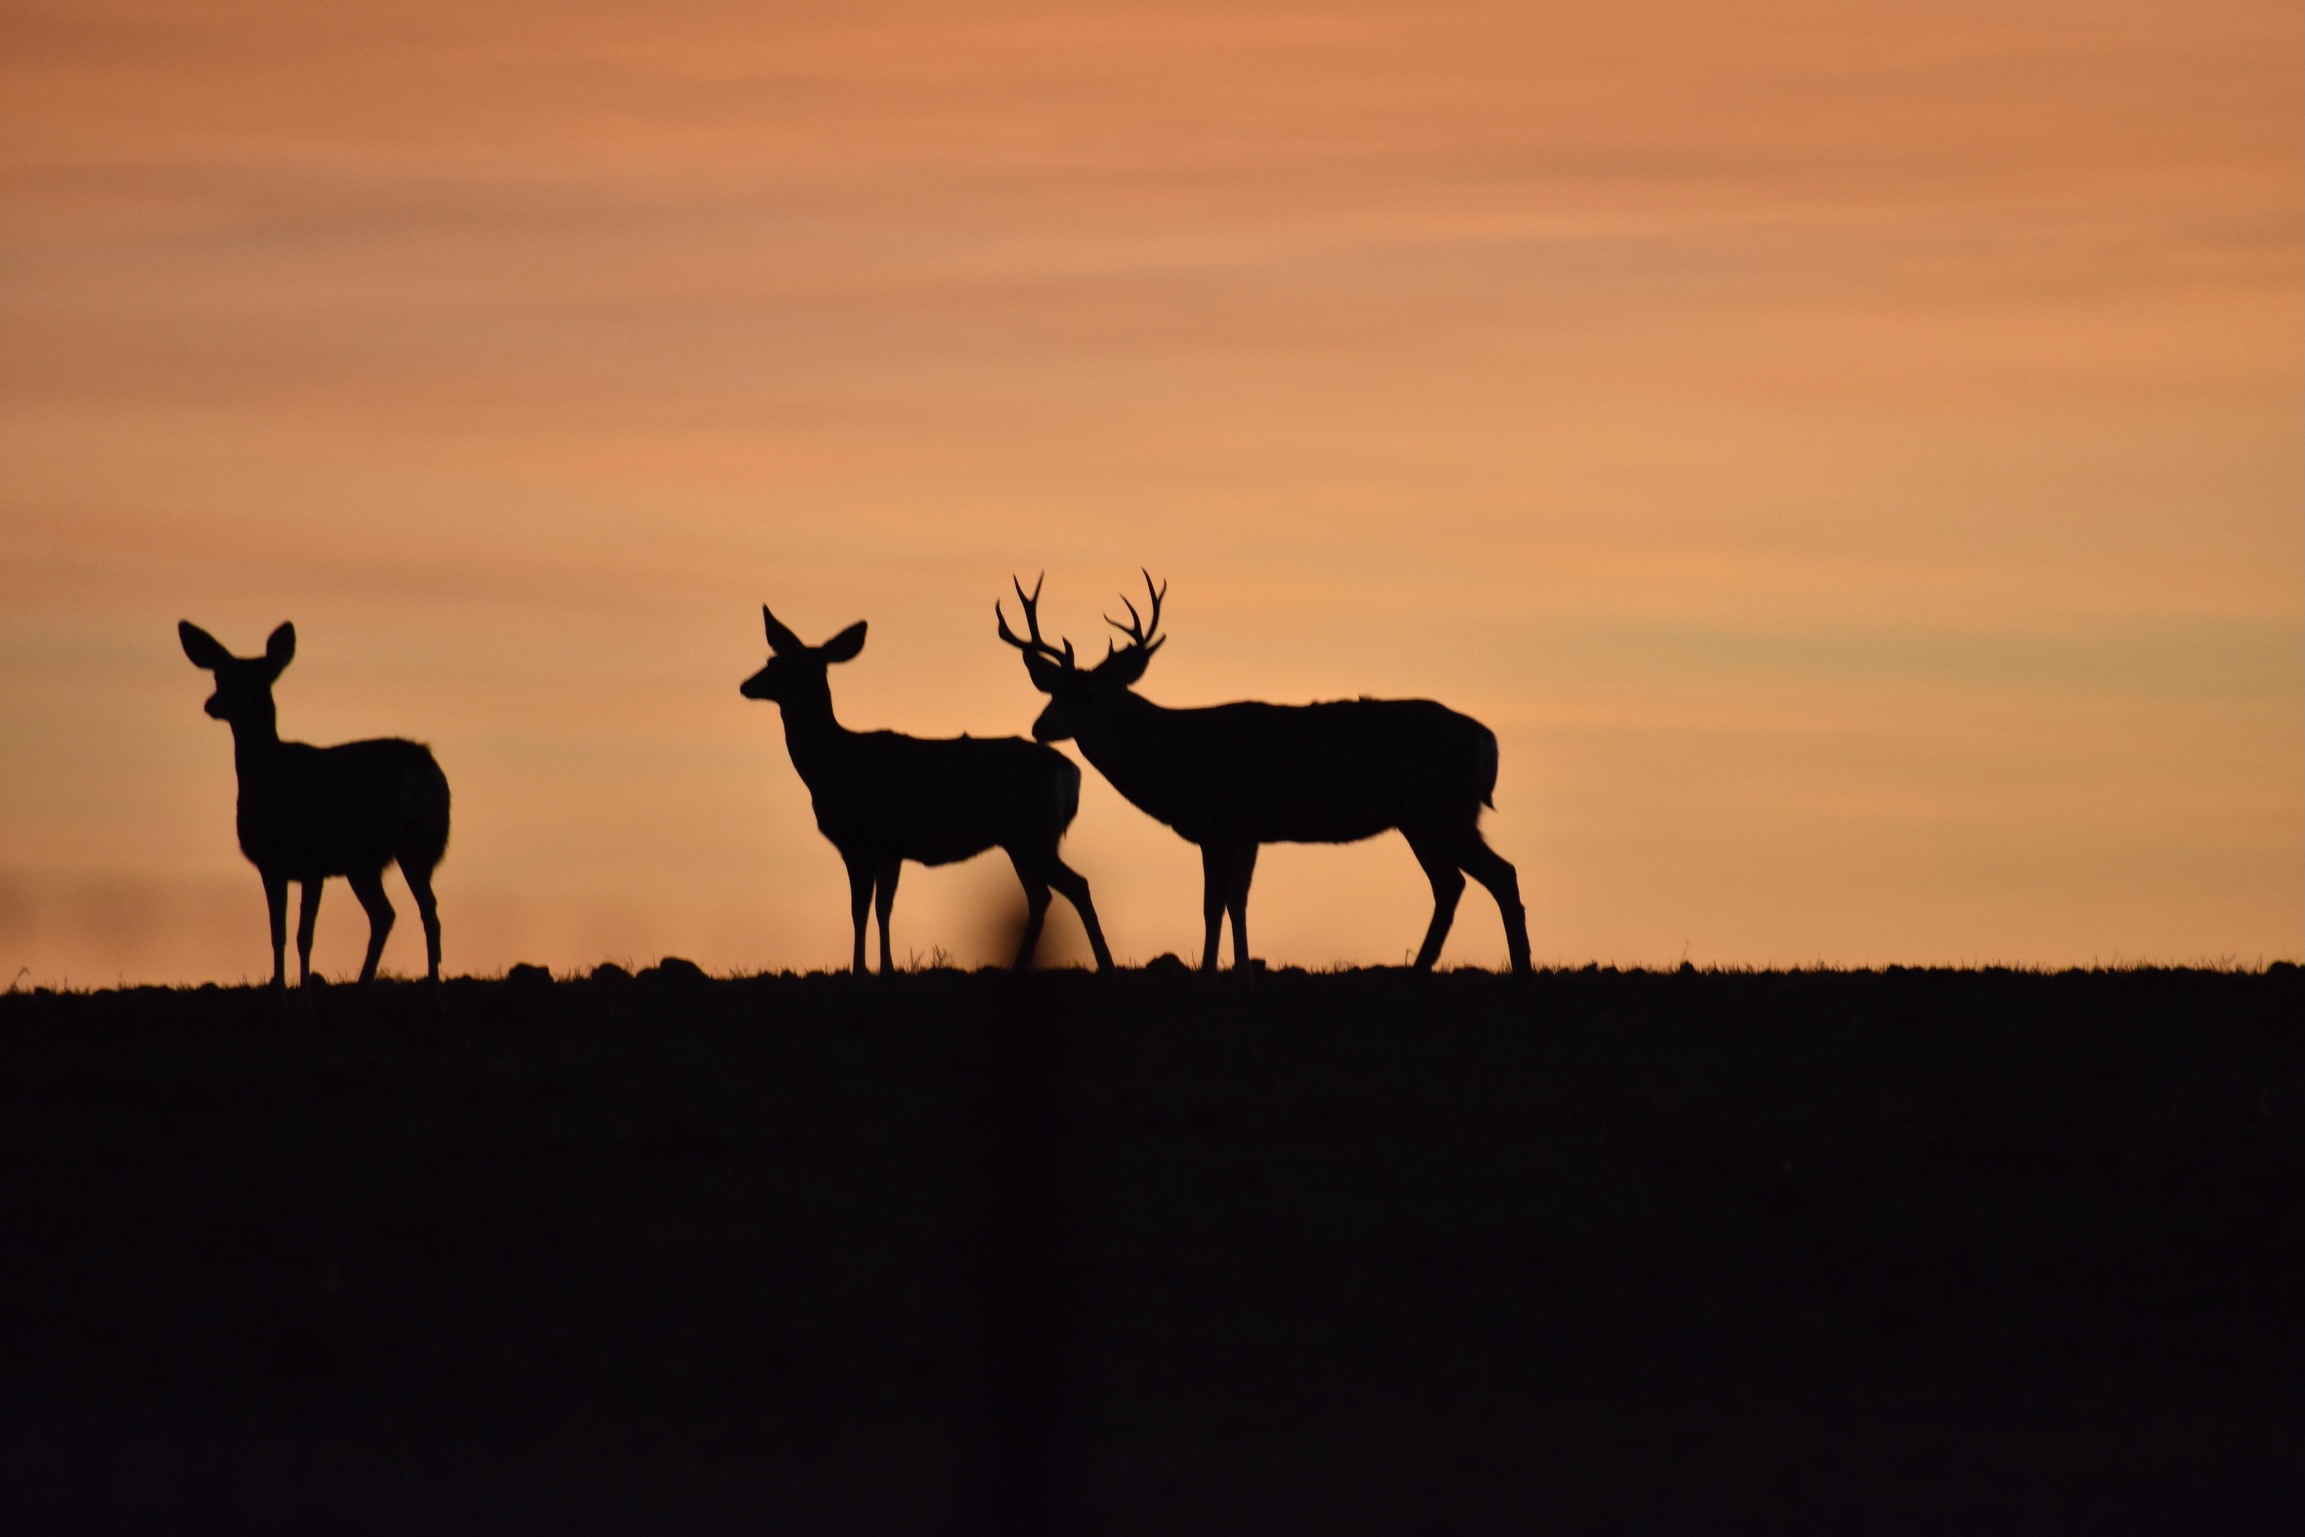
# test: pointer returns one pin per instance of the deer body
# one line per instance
(335, 810)
(308, 813)
(1335, 772)
(1233, 777)
(882, 798)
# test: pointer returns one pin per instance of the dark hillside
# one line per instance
(1917, 1251)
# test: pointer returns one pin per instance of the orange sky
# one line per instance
(1851, 457)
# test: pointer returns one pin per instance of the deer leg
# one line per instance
(369, 889)
(1448, 886)
(276, 907)
(307, 916)
(1216, 883)
(1074, 885)
(1489, 867)
(1237, 901)
(859, 901)
(1035, 913)
(884, 898)
(427, 912)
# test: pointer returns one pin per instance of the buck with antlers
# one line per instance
(307, 813)
(1231, 777)
(883, 798)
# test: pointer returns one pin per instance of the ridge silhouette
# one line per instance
(1232, 777)
(307, 813)
(882, 798)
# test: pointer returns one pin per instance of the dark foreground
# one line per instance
(1916, 1252)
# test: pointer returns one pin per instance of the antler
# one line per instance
(1140, 632)
(1035, 646)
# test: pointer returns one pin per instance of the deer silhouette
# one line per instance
(1232, 777)
(307, 813)
(883, 798)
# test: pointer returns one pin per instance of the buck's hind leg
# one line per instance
(1492, 870)
(884, 899)
(276, 910)
(1074, 885)
(369, 889)
(428, 913)
(307, 919)
(1440, 864)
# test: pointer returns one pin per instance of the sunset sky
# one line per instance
(1851, 453)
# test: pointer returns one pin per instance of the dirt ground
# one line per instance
(1592, 1252)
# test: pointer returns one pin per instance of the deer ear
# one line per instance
(205, 649)
(1046, 674)
(1126, 667)
(780, 639)
(280, 648)
(844, 646)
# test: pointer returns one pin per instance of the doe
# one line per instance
(883, 798)
(307, 813)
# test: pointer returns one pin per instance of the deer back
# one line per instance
(937, 800)
(1333, 772)
(349, 809)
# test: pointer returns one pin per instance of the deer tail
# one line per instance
(1486, 772)
(1067, 789)
(423, 813)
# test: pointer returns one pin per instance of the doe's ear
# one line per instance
(280, 648)
(204, 649)
(780, 639)
(844, 646)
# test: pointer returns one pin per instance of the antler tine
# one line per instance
(1000, 618)
(1138, 630)
(1031, 605)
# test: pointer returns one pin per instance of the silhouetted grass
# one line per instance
(1915, 1251)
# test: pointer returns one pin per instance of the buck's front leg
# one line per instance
(276, 907)
(1226, 869)
(1216, 885)
(1237, 902)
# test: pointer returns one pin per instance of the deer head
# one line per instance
(243, 684)
(1077, 695)
(795, 670)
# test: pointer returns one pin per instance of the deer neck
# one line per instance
(255, 740)
(1116, 738)
(815, 738)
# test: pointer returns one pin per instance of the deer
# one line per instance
(1233, 777)
(308, 813)
(882, 798)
